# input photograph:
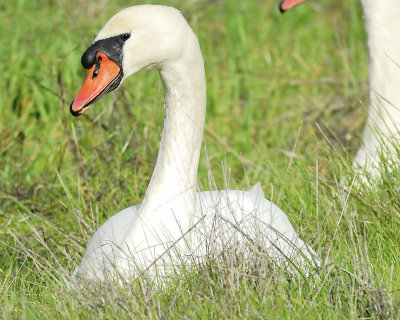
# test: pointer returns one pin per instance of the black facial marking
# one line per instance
(112, 47)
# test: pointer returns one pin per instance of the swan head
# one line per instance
(137, 38)
(286, 5)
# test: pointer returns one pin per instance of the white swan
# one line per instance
(382, 128)
(174, 224)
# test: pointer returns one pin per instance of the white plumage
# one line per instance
(382, 24)
(176, 225)
(382, 128)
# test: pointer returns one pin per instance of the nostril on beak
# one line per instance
(97, 67)
(95, 72)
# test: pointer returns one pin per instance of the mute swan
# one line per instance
(174, 224)
(382, 25)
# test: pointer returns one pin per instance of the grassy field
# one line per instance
(287, 96)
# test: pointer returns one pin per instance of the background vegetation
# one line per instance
(287, 96)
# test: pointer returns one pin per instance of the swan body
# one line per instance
(382, 25)
(174, 225)
(223, 219)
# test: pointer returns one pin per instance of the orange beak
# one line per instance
(104, 76)
(289, 4)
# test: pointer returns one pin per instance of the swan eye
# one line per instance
(126, 36)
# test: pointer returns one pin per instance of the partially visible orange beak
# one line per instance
(103, 77)
(289, 4)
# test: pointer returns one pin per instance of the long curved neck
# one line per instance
(172, 188)
(382, 24)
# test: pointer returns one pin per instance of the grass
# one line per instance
(286, 106)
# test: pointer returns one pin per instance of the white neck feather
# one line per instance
(173, 184)
(169, 202)
(382, 24)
